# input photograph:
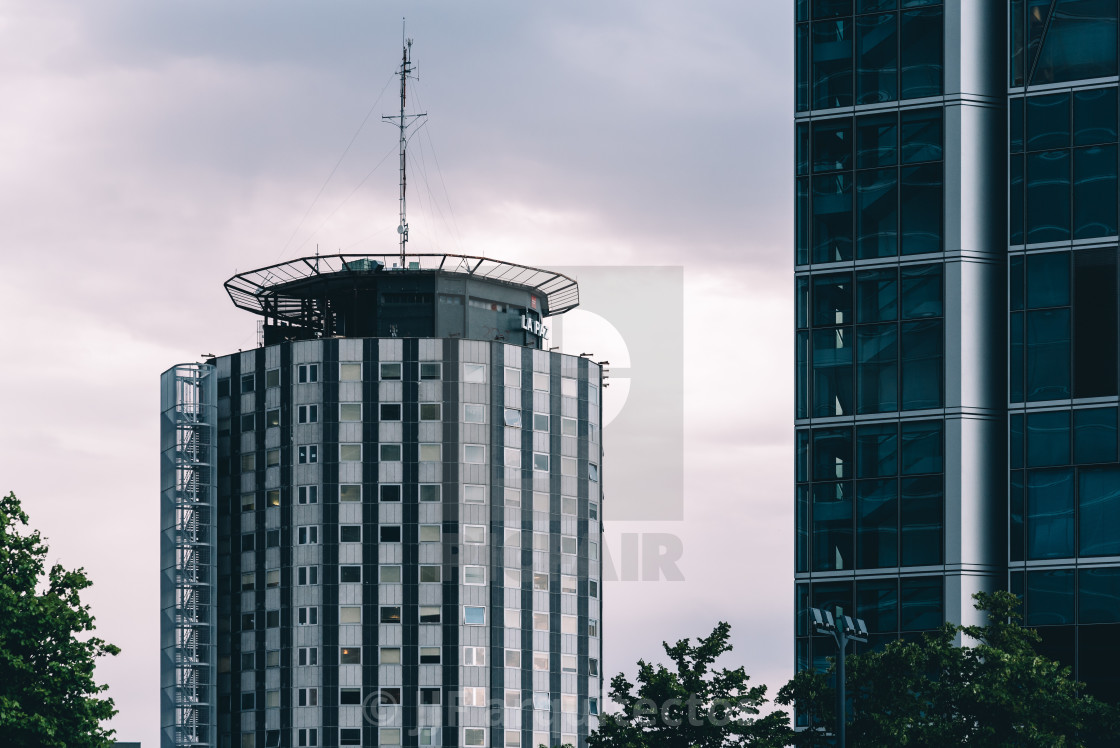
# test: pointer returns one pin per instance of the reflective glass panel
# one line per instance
(1099, 515)
(877, 450)
(1049, 513)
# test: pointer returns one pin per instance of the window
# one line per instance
(350, 533)
(350, 736)
(592, 706)
(513, 659)
(248, 383)
(540, 661)
(248, 502)
(430, 370)
(512, 618)
(592, 510)
(391, 371)
(272, 701)
(567, 506)
(568, 544)
(272, 539)
(388, 533)
(307, 535)
(569, 664)
(306, 373)
(430, 492)
(429, 614)
(540, 381)
(429, 655)
(592, 588)
(431, 574)
(390, 411)
(272, 458)
(350, 492)
(307, 616)
(540, 422)
(350, 412)
(512, 417)
(513, 739)
(248, 622)
(569, 426)
(474, 454)
(272, 497)
(569, 387)
(390, 655)
(307, 736)
(474, 373)
(474, 574)
(307, 656)
(512, 377)
(541, 702)
(307, 494)
(389, 736)
(248, 701)
(513, 538)
(307, 575)
(248, 462)
(540, 579)
(474, 533)
(390, 614)
(540, 621)
(389, 697)
(272, 578)
(350, 573)
(350, 656)
(429, 696)
(390, 453)
(390, 492)
(473, 696)
(431, 412)
(307, 454)
(390, 574)
(474, 413)
(592, 627)
(592, 471)
(350, 696)
(512, 579)
(431, 452)
(474, 616)
(473, 735)
(307, 697)
(540, 462)
(248, 542)
(568, 584)
(512, 497)
(350, 614)
(569, 624)
(512, 457)
(349, 452)
(349, 372)
(248, 581)
(474, 656)
(474, 494)
(272, 418)
(569, 466)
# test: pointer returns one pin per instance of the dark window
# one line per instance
(390, 696)
(248, 542)
(1094, 435)
(1079, 41)
(876, 296)
(1094, 192)
(921, 604)
(429, 696)
(223, 388)
(832, 372)
(1098, 595)
(877, 141)
(832, 300)
(390, 412)
(877, 366)
(832, 217)
(921, 209)
(248, 422)
(248, 622)
(1094, 116)
(1048, 441)
(1048, 122)
(1094, 323)
(877, 54)
(876, 524)
(353, 655)
(832, 454)
(353, 533)
(350, 574)
(832, 145)
(350, 736)
(1015, 443)
(272, 539)
(1099, 511)
(1098, 653)
(1047, 354)
(390, 614)
(832, 63)
(1048, 209)
(248, 383)
(428, 656)
(877, 450)
(921, 135)
(920, 520)
(877, 605)
(832, 526)
(272, 619)
(877, 213)
(1015, 550)
(1049, 513)
(1049, 598)
(390, 492)
(921, 291)
(387, 533)
(921, 364)
(1047, 280)
(350, 696)
(1015, 123)
(921, 447)
(248, 700)
(921, 53)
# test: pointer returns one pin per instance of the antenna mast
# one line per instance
(403, 121)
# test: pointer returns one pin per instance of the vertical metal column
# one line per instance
(188, 430)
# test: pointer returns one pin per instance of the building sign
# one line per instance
(533, 326)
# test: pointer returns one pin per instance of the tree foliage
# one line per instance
(690, 705)
(996, 691)
(48, 696)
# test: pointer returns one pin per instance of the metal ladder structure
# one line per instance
(188, 430)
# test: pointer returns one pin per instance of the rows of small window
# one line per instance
(309, 737)
(1063, 325)
(867, 52)
(1077, 614)
(1056, 41)
(347, 372)
(873, 498)
(870, 341)
(881, 209)
(891, 608)
(1063, 170)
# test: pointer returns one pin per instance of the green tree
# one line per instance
(691, 705)
(48, 696)
(994, 692)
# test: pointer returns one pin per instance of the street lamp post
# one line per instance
(842, 629)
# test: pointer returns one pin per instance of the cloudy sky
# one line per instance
(151, 150)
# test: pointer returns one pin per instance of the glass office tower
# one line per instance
(1064, 487)
(956, 264)
(900, 257)
(381, 527)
